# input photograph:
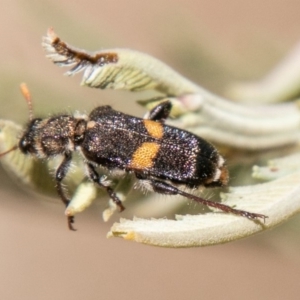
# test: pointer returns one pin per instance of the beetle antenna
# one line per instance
(26, 94)
(10, 150)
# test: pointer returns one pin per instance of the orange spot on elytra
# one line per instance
(144, 156)
(155, 129)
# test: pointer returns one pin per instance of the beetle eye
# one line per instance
(24, 145)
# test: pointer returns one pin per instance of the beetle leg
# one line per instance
(94, 176)
(61, 173)
(168, 189)
(160, 112)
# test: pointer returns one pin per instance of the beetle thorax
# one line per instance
(52, 136)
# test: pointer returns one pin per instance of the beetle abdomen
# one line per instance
(117, 140)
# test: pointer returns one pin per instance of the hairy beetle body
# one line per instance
(160, 156)
(116, 140)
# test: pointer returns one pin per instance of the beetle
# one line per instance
(162, 157)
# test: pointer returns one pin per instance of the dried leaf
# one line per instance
(116, 68)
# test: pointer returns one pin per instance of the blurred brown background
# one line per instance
(212, 42)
